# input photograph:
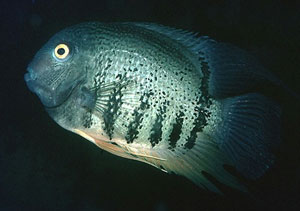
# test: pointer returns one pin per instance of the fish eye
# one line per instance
(61, 51)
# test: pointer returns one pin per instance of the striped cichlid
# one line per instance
(180, 102)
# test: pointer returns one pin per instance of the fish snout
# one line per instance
(30, 78)
(45, 94)
(49, 96)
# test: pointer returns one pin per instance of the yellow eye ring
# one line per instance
(61, 51)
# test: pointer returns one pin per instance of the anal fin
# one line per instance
(204, 158)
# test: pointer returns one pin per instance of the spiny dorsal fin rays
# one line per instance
(187, 38)
(233, 70)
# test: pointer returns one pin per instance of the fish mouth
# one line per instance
(50, 98)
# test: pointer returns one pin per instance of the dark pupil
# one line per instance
(61, 51)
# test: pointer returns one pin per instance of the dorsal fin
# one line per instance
(186, 38)
(232, 71)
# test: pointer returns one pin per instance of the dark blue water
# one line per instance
(44, 167)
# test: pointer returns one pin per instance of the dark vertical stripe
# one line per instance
(156, 131)
(138, 113)
(111, 112)
(204, 81)
(133, 132)
(199, 123)
(204, 101)
(176, 131)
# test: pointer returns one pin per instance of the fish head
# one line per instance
(58, 74)
(55, 70)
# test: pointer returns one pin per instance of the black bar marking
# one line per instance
(138, 113)
(204, 82)
(176, 131)
(156, 131)
(204, 101)
(111, 112)
(199, 123)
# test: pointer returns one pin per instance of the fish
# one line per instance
(183, 103)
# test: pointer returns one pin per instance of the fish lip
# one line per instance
(28, 81)
(30, 78)
(31, 81)
(31, 73)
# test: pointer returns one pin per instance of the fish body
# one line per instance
(159, 95)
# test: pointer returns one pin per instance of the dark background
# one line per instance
(44, 167)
